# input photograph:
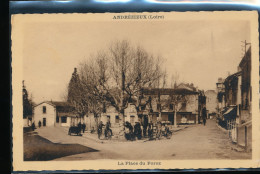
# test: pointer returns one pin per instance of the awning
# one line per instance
(231, 113)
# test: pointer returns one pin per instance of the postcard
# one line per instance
(111, 91)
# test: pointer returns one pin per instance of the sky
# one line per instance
(199, 51)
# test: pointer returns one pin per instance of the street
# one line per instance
(194, 142)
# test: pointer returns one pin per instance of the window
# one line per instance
(63, 119)
(44, 121)
(44, 109)
(57, 119)
(171, 106)
(117, 119)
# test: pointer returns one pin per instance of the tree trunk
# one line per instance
(121, 125)
(175, 118)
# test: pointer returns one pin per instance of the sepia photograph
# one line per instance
(136, 89)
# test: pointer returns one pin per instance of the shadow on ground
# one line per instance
(37, 148)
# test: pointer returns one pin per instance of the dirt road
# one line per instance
(194, 142)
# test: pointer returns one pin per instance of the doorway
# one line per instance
(44, 122)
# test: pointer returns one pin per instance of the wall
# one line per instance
(90, 122)
(131, 111)
(211, 101)
(25, 122)
(112, 112)
(192, 104)
(50, 114)
(243, 137)
(68, 122)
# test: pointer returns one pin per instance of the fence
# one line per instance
(240, 134)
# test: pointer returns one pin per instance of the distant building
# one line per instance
(211, 101)
(189, 112)
(50, 113)
(220, 95)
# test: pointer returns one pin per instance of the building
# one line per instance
(220, 96)
(50, 113)
(211, 102)
(246, 88)
(164, 105)
(235, 97)
(155, 106)
(112, 115)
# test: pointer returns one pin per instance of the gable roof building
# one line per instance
(54, 113)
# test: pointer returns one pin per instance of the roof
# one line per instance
(168, 91)
(60, 106)
(232, 76)
(55, 103)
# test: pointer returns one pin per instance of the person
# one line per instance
(144, 129)
(79, 126)
(83, 127)
(33, 126)
(159, 128)
(137, 130)
(100, 126)
(39, 124)
(150, 130)
(108, 125)
(129, 132)
(204, 115)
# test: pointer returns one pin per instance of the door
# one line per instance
(44, 122)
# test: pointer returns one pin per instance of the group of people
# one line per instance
(39, 125)
(82, 127)
(146, 130)
(107, 129)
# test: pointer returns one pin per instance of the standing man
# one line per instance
(79, 127)
(39, 124)
(33, 126)
(204, 115)
(83, 127)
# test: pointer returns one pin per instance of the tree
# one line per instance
(117, 75)
(27, 103)
(92, 74)
(76, 95)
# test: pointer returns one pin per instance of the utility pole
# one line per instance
(244, 45)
